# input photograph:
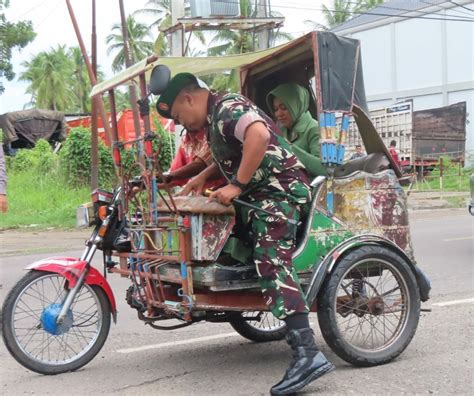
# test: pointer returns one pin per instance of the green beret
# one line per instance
(175, 86)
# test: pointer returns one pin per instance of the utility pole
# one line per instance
(177, 37)
(128, 63)
(94, 134)
(264, 35)
(177, 49)
(98, 101)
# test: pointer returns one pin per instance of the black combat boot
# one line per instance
(308, 363)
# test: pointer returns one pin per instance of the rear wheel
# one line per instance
(33, 337)
(259, 326)
(369, 307)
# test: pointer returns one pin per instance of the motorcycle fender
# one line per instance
(71, 269)
(327, 264)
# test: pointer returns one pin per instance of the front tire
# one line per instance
(369, 306)
(30, 332)
(265, 327)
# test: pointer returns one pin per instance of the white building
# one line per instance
(419, 50)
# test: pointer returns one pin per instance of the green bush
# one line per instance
(75, 158)
(38, 191)
(40, 159)
(165, 144)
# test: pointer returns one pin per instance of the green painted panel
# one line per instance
(325, 234)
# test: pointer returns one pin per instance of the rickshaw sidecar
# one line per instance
(354, 255)
(356, 233)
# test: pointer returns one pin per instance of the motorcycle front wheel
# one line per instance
(369, 307)
(34, 338)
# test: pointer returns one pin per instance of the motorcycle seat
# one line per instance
(195, 205)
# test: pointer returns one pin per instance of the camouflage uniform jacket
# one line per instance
(280, 175)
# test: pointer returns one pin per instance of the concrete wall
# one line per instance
(428, 61)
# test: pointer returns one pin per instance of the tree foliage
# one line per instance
(160, 11)
(58, 80)
(232, 42)
(139, 37)
(229, 42)
(48, 74)
(12, 36)
(342, 10)
(75, 159)
(40, 159)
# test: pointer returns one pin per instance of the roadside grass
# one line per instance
(41, 201)
(449, 183)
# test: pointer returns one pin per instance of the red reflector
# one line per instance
(116, 155)
(148, 148)
(187, 221)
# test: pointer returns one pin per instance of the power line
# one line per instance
(51, 11)
(460, 5)
(29, 10)
(419, 12)
(442, 8)
(371, 13)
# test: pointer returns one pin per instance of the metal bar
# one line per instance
(146, 119)
(94, 133)
(127, 272)
(92, 78)
(160, 285)
(249, 205)
(146, 256)
(71, 295)
(128, 62)
(113, 115)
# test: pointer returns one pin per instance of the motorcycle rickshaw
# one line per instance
(354, 255)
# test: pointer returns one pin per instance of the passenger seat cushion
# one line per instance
(372, 163)
(196, 204)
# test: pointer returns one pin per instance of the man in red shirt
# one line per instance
(394, 153)
(192, 157)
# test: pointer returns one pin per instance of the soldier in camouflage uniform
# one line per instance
(261, 169)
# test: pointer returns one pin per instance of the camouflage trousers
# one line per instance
(274, 245)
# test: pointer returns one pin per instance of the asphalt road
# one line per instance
(210, 359)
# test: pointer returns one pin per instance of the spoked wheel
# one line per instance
(369, 307)
(259, 326)
(33, 336)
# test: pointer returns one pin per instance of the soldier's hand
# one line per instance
(226, 194)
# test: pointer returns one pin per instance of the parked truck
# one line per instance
(421, 136)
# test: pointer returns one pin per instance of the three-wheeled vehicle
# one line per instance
(354, 255)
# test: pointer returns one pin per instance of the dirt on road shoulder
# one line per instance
(23, 242)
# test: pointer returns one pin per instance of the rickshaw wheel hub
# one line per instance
(375, 305)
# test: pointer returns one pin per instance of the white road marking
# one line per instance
(176, 343)
(455, 302)
(458, 239)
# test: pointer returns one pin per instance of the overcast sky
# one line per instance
(53, 26)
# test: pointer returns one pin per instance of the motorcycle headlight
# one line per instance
(85, 215)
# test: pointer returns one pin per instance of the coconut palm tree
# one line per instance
(160, 11)
(139, 37)
(48, 74)
(229, 42)
(365, 5)
(80, 81)
(339, 12)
